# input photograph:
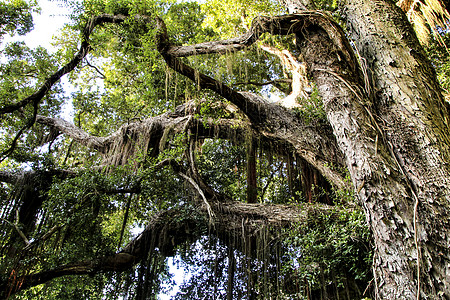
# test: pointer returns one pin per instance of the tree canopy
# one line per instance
(286, 150)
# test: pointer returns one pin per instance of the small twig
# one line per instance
(368, 286)
(95, 68)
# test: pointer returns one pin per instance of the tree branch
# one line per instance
(36, 97)
(102, 76)
(279, 25)
(84, 49)
(9, 177)
(275, 81)
(76, 133)
(270, 120)
(312, 141)
(165, 231)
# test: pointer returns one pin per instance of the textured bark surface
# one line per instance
(391, 122)
(411, 111)
(374, 172)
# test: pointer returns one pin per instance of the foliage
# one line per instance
(16, 17)
(311, 109)
(438, 54)
(22, 72)
(222, 173)
(76, 287)
(229, 18)
(329, 251)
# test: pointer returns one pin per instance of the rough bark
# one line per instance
(374, 171)
(404, 184)
(414, 116)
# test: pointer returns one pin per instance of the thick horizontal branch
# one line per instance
(278, 25)
(165, 232)
(73, 131)
(152, 129)
(313, 141)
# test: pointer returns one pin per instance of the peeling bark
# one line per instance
(395, 134)
(299, 82)
(414, 116)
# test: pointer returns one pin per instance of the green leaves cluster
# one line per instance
(329, 251)
(222, 165)
(16, 16)
(438, 52)
(23, 72)
(229, 18)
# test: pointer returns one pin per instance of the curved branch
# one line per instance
(36, 97)
(279, 25)
(84, 49)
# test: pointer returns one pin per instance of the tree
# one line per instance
(381, 117)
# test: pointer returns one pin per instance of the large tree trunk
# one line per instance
(395, 136)
(414, 117)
